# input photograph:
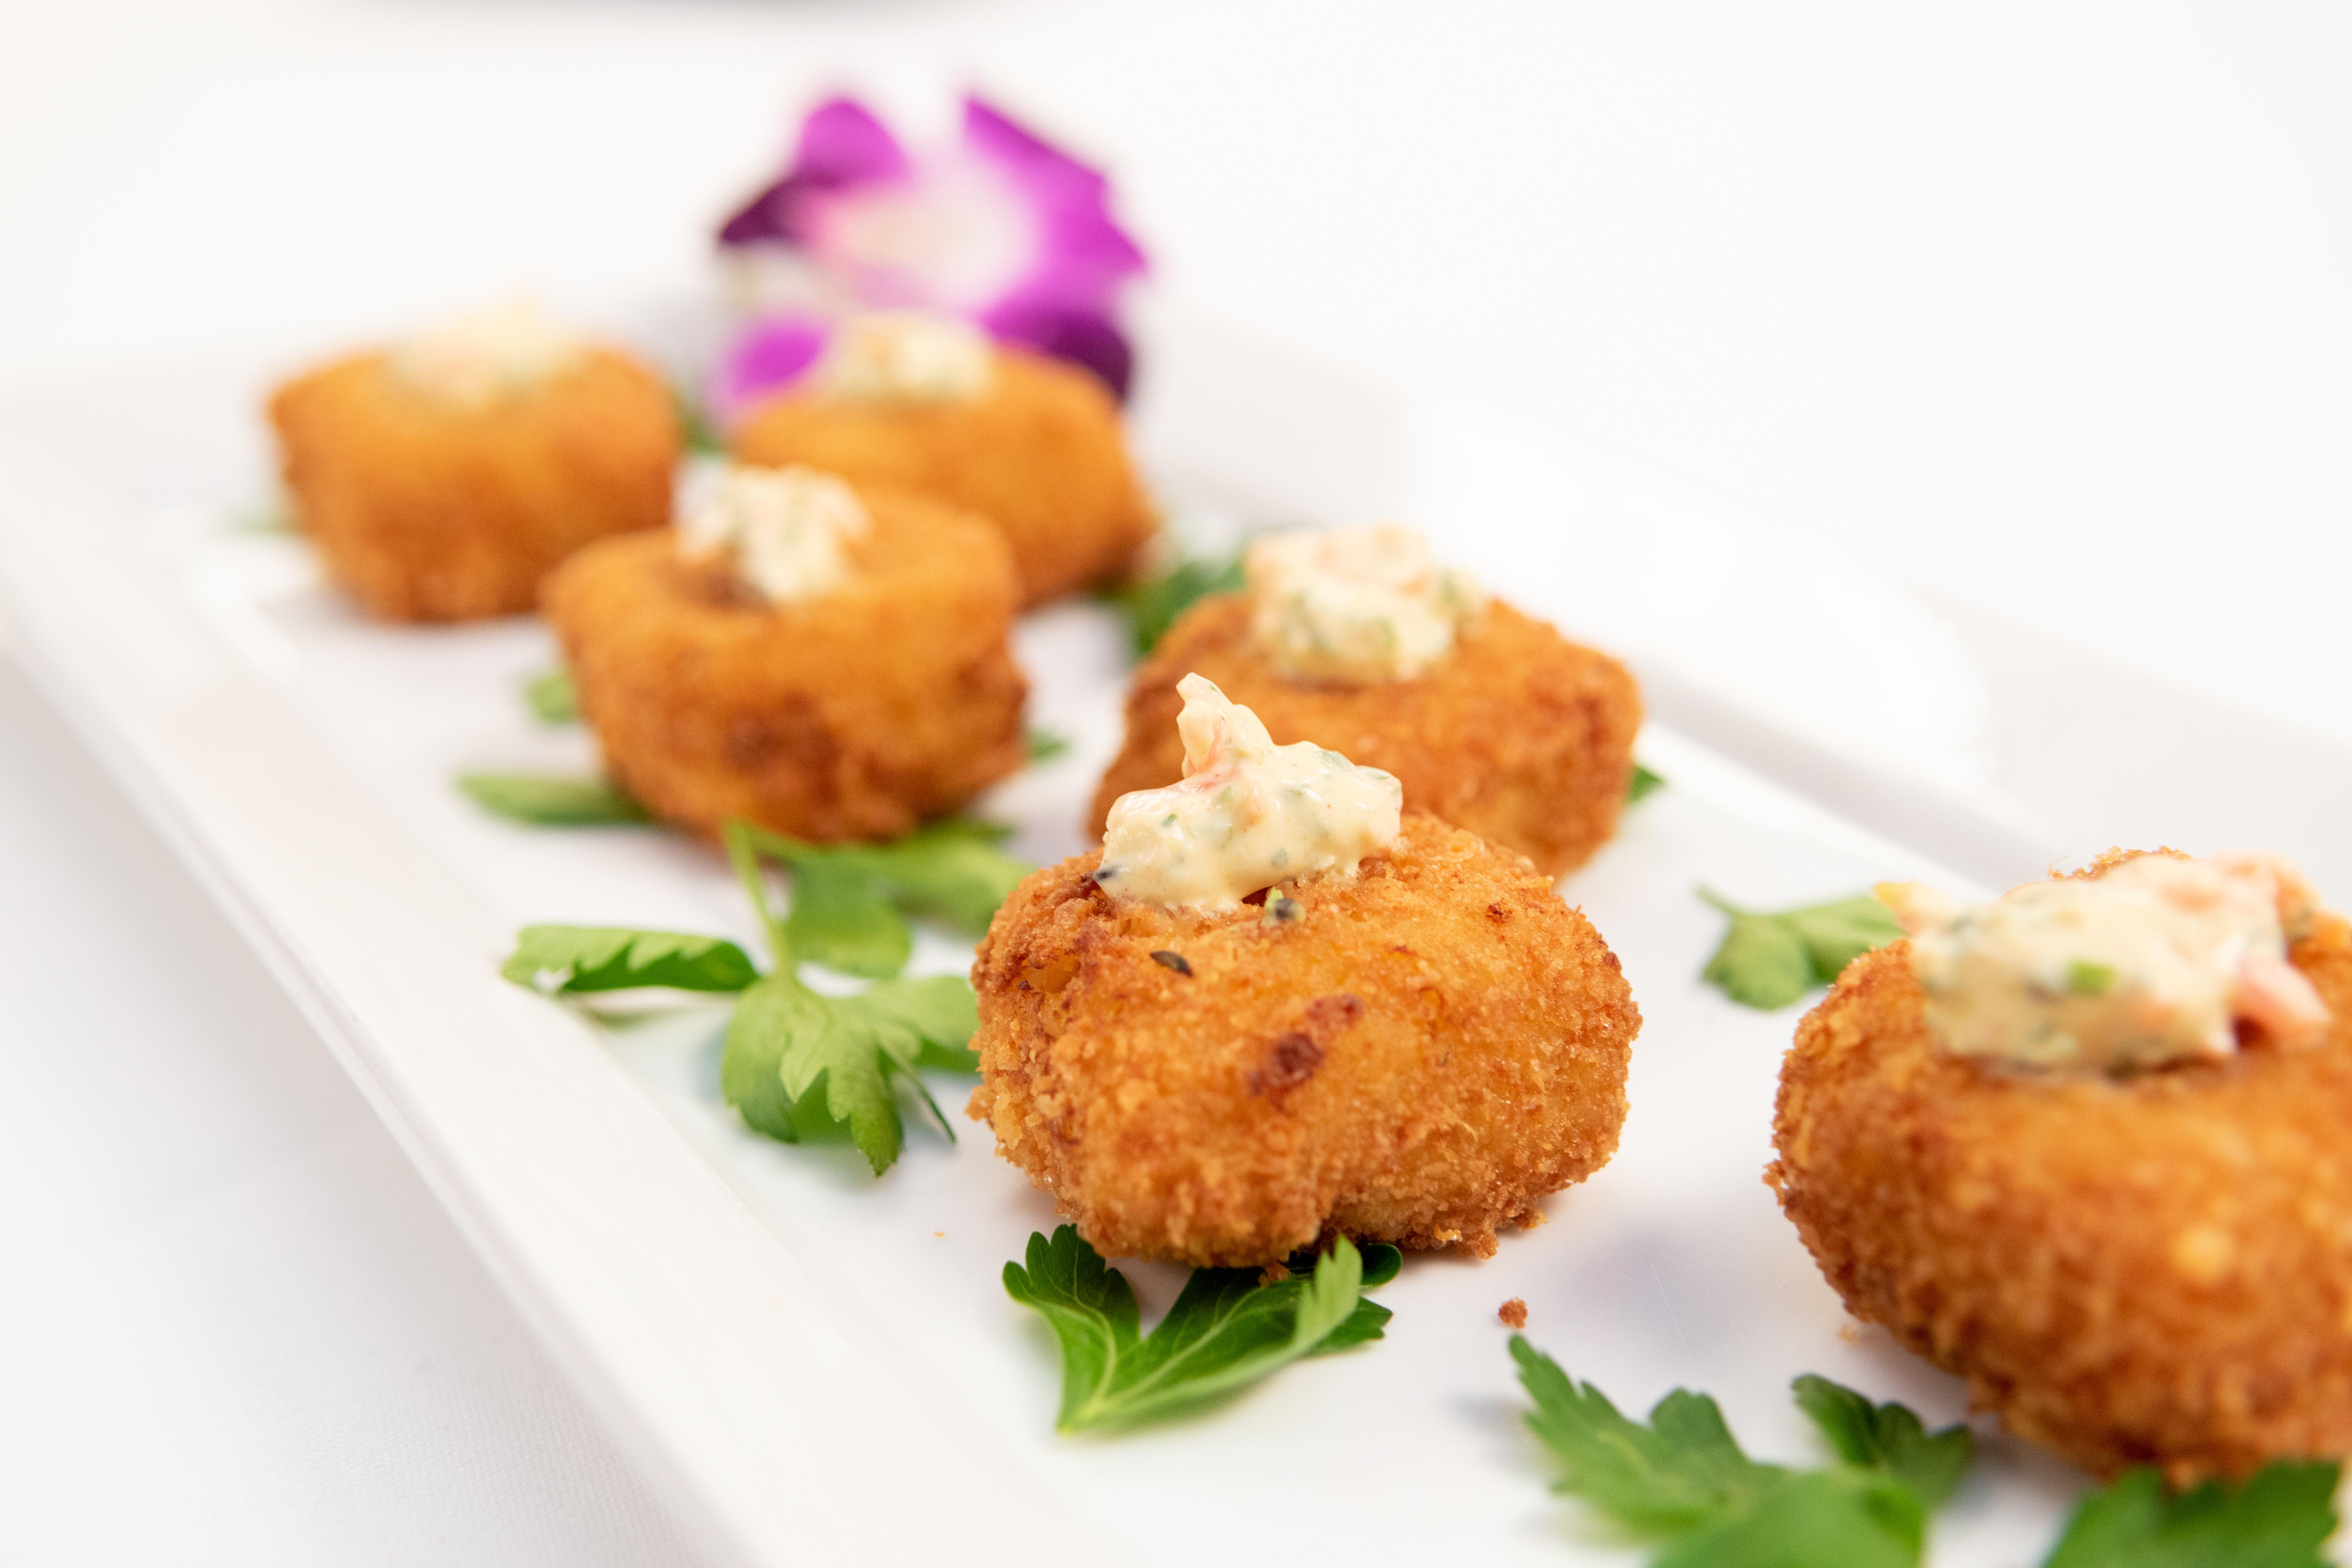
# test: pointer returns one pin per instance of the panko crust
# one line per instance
(855, 715)
(427, 511)
(1436, 1045)
(2154, 1268)
(1040, 455)
(1521, 736)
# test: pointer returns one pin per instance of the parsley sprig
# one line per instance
(552, 697)
(1682, 1478)
(799, 1063)
(1769, 959)
(2278, 1518)
(553, 800)
(1152, 603)
(1227, 1330)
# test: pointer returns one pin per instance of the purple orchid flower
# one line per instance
(1005, 230)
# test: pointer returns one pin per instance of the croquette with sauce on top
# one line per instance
(1354, 638)
(826, 661)
(2085, 1146)
(1276, 1007)
(443, 479)
(927, 402)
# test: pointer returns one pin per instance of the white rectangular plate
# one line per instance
(819, 1366)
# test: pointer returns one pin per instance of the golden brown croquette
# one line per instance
(2147, 1268)
(857, 714)
(1434, 1045)
(426, 509)
(1520, 736)
(1040, 454)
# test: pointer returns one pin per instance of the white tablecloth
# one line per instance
(2042, 308)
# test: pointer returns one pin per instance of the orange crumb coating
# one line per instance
(424, 510)
(1434, 1045)
(857, 714)
(2154, 1268)
(1521, 736)
(1040, 454)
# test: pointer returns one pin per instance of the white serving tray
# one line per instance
(815, 1366)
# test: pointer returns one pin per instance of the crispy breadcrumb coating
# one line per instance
(425, 510)
(1521, 736)
(1040, 454)
(2147, 1268)
(857, 714)
(1437, 1044)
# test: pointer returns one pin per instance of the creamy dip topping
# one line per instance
(785, 529)
(1354, 604)
(1248, 814)
(2154, 962)
(486, 355)
(907, 356)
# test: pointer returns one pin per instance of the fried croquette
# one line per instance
(1421, 1054)
(2150, 1268)
(1520, 736)
(428, 510)
(1040, 454)
(857, 714)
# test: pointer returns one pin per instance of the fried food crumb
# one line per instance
(1514, 1314)
(1274, 1274)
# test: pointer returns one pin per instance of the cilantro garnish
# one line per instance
(552, 800)
(2279, 1519)
(551, 698)
(1769, 961)
(1683, 1480)
(798, 1063)
(1152, 604)
(1642, 783)
(1226, 1330)
(1043, 745)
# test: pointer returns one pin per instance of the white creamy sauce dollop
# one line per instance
(785, 531)
(1248, 814)
(1354, 604)
(907, 356)
(2154, 962)
(485, 355)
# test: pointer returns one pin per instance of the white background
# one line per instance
(2041, 309)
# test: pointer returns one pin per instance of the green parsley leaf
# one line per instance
(1045, 745)
(1153, 604)
(547, 800)
(1683, 1477)
(797, 1064)
(1767, 961)
(1642, 783)
(1226, 1331)
(576, 959)
(1889, 1438)
(551, 698)
(849, 900)
(1682, 1470)
(700, 432)
(842, 917)
(2279, 1519)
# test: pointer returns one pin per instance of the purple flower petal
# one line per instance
(1087, 338)
(767, 357)
(1083, 256)
(841, 144)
